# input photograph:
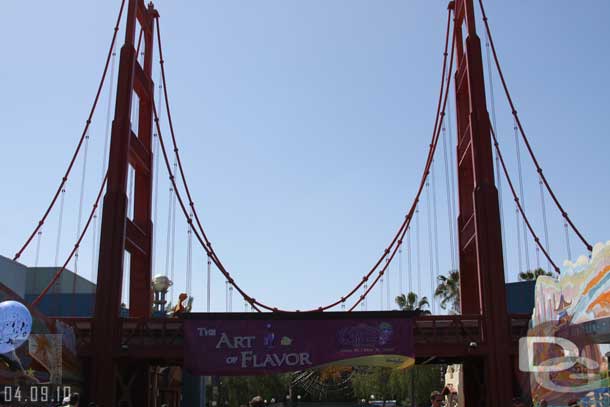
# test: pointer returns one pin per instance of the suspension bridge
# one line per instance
(142, 146)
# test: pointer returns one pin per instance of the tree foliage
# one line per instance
(396, 384)
(532, 275)
(412, 302)
(382, 383)
(448, 290)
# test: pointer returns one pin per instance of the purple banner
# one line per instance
(250, 344)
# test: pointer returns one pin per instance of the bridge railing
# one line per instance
(450, 329)
(135, 332)
(454, 333)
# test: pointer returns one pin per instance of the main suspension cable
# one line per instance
(205, 241)
(80, 142)
(433, 145)
(517, 202)
(524, 137)
(186, 212)
(76, 246)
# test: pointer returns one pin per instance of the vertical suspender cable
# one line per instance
(230, 298)
(498, 177)
(418, 244)
(437, 269)
(524, 137)
(520, 208)
(39, 235)
(519, 257)
(168, 243)
(410, 265)
(381, 292)
(82, 196)
(430, 247)
(366, 300)
(400, 285)
(389, 282)
(544, 220)
(209, 296)
(173, 238)
(453, 166)
(567, 234)
(226, 295)
(189, 260)
(362, 303)
(79, 220)
(81, 139)
(156, 181)
(526, 254)
(95, 249)
(450, 217)
(59, 226)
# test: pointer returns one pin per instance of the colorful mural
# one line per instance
(570, 333)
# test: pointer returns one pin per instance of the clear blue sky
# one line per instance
(303, 128)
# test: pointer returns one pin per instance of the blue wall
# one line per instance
(520, 297)
(65, 305)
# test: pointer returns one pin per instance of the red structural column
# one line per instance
(480, 244)
(128, 147)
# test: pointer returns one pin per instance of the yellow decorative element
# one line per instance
(391, 361)
(334, 372)
(286, 341)
(30, 372)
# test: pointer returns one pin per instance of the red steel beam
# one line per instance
(479, 239)
(118, 233)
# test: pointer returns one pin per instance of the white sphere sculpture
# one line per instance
(15, 325)
(161, 283)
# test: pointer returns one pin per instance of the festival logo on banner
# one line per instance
(247, 347)
(566, 347)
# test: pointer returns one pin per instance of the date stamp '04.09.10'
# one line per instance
(33, 395)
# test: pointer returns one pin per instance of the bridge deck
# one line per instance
(447, 337)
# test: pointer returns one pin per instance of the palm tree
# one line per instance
(412, 302)
(448, 290)
(531, 275)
